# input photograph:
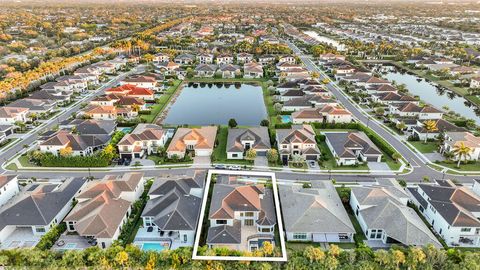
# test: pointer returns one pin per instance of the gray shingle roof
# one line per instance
(257, 134)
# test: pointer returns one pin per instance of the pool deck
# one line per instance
(21, 237)
(143, 236)
(71, 242)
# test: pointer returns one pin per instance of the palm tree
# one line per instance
(430, 126)
(461, 150)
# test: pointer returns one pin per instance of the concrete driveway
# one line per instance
(378, 166)
(260, 161)
(201, 161)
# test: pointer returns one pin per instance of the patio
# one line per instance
(144, 235)
(21, 238)
(71, 242)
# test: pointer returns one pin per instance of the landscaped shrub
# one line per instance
(48, 239)
(50, 160)
(283, 125)
(320, 138)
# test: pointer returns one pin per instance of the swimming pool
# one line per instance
(286, 119)
(153, 246)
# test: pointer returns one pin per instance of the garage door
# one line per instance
(126, 156)
(372, 159)
(311, 157)
(261, 153)
(319, 237)
(202, 153)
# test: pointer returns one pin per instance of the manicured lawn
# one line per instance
(220, 152)
(302, 166)
(162, 161)
(428, 147)
(161, 103)
(471, 166)
(23, 159)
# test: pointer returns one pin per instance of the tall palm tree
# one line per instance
(430, 126)
(461, 150)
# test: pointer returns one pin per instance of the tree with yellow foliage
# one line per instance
(65, 152)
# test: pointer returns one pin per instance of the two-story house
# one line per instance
(198, 141)
(240, 140)
(349, 148)
(298, 140)
(145, 139)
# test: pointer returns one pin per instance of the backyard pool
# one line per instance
(206, 104)
(286, 119)
(154, 246)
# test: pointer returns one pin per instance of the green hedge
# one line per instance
(48, 239)
(283, 125)
(49, 160)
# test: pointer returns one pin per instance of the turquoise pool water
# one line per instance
(286, 119)
(153, 246)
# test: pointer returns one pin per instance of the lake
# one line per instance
(205, 104)
(438, 97)
(326, 40)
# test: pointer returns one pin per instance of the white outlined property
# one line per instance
(247, 229)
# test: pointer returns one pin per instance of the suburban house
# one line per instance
(314, 214)
(161, 57)
(324, 114)
(32, 213)
(454, 139)
(5, 131)
(224, 59)
(173, 209)
(167, 68)
(10, 115)
(453, 211)
(8, 188)
(199, 141)
(132, 91)
(104, 207)
(145, 139)
(109, 112)
(229, 70)
(266, 59)
(205, 70)
(243, 58)
(104, 128)
(149, 82)
(252, 70)
(386, 98)
(240, 140)
(205, 58)
(184, 59)
(287, 59)
(475, 82)
(385, 218)
(80, 145)
(413, 110)
(350, 148)
(242, 216)
(34, 106)
(298, 140)
(442, 126)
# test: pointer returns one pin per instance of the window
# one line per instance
(267, 230)
(40, 229)
(375, 234)
(70, 226)
(300, 236)
(221, 221)
(466, 229)
(248, 222)
(184, 238)
(234, 155)
(249, 214)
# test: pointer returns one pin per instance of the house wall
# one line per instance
(6, 232)
(8, 191)
(213, 222)
(230, 155)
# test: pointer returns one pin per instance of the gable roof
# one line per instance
(204, 137)
(297, 134)
(259, 136)
(345, 142)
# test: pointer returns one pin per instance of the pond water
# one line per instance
(326, 40)
(438, 97)
(205, 104)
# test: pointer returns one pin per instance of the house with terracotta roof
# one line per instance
(324, 114)
(242, 216)
(109, 112)
(454, 139)
(315, 214)
(475, 82)
(132, 91)
(382, 212)
(240, 140)
(140, 81)
(198, 141)
(298, 140)
(81, 145)
(10, 115)
(349, 148)
(104, 206)
(413, 110)
(145, 139)
(452, 211)
(25, 218)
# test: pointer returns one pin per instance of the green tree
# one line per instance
(232, 123)
(272, 155)
(460, 150)
(251, 154)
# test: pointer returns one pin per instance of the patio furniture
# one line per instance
(60, 243)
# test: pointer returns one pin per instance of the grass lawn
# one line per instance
(162, 102)
(428, 147)
(471, 166)
(7, 142)
(302, 167)
(23, 159)
(161, 161)
(220, 151)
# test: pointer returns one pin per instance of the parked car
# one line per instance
(235, 168)
(311, 164)
(220, 167)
